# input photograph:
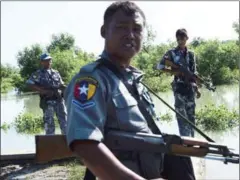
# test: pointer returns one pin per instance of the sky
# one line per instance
(26, 23)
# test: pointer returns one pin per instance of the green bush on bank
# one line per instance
(209, 118)
(28, 123)
(213, 118)
(5, 126)
(6, 85)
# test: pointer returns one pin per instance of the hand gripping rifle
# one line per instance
(57, 91)
(189, 75)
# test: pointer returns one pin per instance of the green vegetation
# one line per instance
(28, 123)
(216, 60)
(210, 118)
(67, 58)
(76, 170)
(166, 117)
(213, 118)
(5, 126)
(9, 77)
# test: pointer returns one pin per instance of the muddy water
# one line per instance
(13, 143)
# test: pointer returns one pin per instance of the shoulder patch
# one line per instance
(85, 88)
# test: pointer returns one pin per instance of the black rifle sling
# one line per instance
(150, 121)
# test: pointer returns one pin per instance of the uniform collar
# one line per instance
(129, 70)
(178, 49)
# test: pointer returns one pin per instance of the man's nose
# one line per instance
(130, 34)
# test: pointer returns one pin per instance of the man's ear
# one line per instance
(102, 31)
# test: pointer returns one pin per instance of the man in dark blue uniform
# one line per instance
(45, 80)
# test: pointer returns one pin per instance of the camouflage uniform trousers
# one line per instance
(48, 116)
(185, 105)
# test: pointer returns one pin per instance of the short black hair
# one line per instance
(181, 33)
(127, 7)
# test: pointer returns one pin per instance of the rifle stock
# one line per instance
(51, 147)
(54, 147)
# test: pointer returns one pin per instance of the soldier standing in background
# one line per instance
(50, 85)
(184, 92)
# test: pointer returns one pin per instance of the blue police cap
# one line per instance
(45, 56)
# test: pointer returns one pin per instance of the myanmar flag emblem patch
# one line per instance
(85, 88)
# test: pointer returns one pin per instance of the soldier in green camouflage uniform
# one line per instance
(184, 91)
(49, 83)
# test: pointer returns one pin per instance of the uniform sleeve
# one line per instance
(34, 78)
(161, 64)
(86, 102)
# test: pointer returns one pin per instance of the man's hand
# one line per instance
(101, 161)
(198, 94)
(195, 87)
(175, 72)
(47, 92)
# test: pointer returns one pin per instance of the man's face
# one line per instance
(182, 40)
(124, 34)
(46, 63)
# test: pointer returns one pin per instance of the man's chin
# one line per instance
(128, 54)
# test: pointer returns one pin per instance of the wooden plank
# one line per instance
(51, 147)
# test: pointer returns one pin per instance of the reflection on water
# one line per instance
(209, 169)
(11, 142)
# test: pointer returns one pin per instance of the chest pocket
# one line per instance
(127, 113)
(149, 104)
(179, 58)
(44, 79)
(176, 58)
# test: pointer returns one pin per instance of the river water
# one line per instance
(14, 143)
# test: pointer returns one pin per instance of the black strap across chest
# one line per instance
(150, 121)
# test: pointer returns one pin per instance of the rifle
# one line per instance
(57, 91)
(189, 75)
(54, 147)
(57, 95)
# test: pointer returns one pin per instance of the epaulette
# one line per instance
(90, 67)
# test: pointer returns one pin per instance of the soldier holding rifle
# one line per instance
(107, 95)
(184, 88)
(50, 85)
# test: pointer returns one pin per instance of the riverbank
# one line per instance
(63, 170)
